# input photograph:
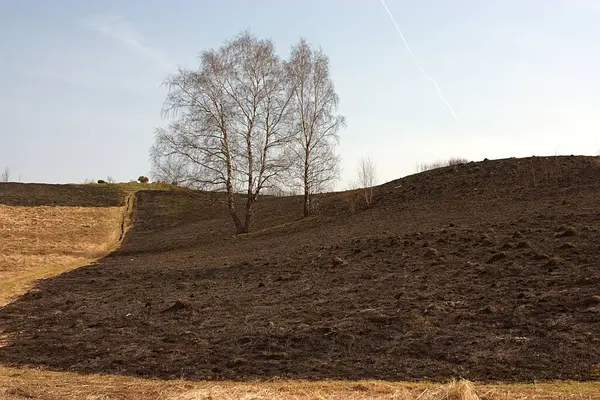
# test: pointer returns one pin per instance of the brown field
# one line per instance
(483, 271)
(36, 194)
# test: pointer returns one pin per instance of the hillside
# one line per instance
(486, 271)
(49, 229)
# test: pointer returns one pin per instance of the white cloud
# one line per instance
(117, 28)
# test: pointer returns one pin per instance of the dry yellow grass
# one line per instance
(330, 390)
(39, 242)
(26, 383)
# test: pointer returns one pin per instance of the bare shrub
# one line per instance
(351, 197)
(367, 178)
(5, 175)
(442, 163)
(171, 168)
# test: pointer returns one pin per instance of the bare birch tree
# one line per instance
(367, 178)
(232, 125)
(317, 123)
(5, 175)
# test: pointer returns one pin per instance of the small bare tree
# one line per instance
(314, 108)
(5, 176)
(171, 169)
(367, 178)
(232, 128)
(350, 196)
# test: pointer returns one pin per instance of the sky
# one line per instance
(81, 95)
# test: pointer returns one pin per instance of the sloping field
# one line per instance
(485, 271)
(48, 229)
(38, 242)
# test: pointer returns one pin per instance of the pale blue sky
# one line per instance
(80, 80)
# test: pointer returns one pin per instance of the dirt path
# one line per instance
(127, 219)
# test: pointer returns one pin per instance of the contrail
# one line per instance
(440, 94)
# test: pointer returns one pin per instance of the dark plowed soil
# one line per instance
(485, 271)
(38, 194)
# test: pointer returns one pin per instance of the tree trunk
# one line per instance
(306, 202)
(239, 227)
(248, 218)
(307, 210)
